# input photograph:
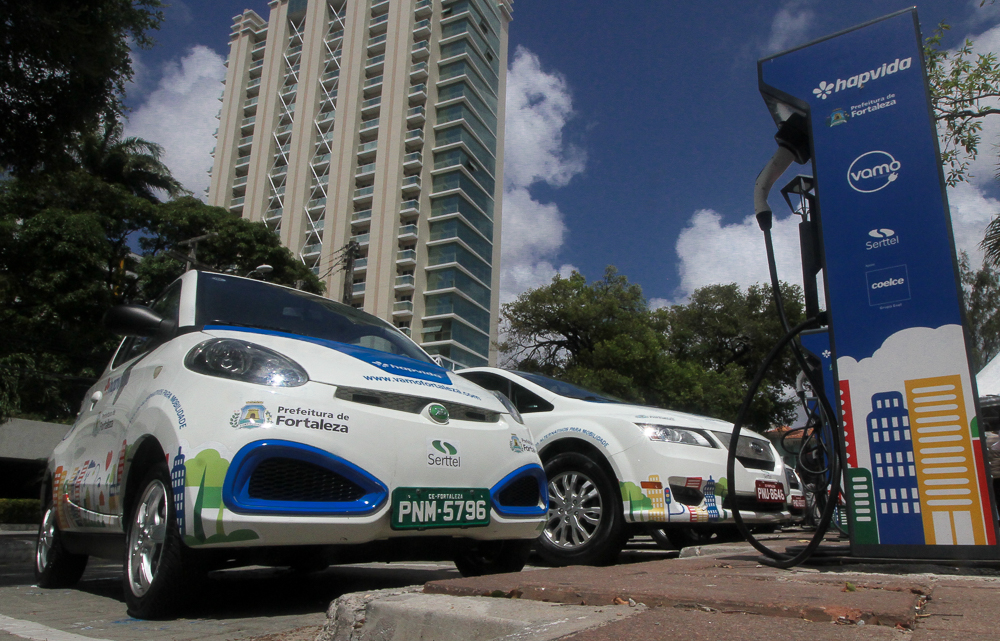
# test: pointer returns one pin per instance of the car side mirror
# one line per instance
(137, 320)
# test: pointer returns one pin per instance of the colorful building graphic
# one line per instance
(178, 475)
(862, 506)
(710, 506)
(653, 489)
(207, 472)
(890, 446)
(651, 500)
(945, 463)
(847, 415)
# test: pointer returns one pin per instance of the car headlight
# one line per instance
(247, 362)
(510, 406)
(674, 435)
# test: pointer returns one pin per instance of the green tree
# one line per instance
(962, 87)
(981, 295)
(131, 162)
(64, 65)
(239, 247)
(724, 328)
(604, 336)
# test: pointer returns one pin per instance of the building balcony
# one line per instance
(363, 194)
(245, 142)
(242, 161)
(241, 181)
(423, 8)
(333, 37)
(411, 184)
(366, 150)
(282, 130)
(405, 330)
(361, 264)
(330, 76)
(316, 203)
(365, 170)
(361, 239)
(369, 126)
(273, 215)
(415, 136)
(376, 45)
(421, 49)
(375, 81)
(316, 226)
(358, 288)
(254, 82)
(250, 102)
(374, 64)
(404, 282)
(378, 23)
(320, 161)
(402, 308)
(326, 118)
(413, 160)
(422, 28)
(409, 208)
(279, 191)
(312, 250)
(246, 125)
(256, 64)
(361, 216)
(406, 256)
(379, 6)
(237, 203)
(259, 46)
(415, 116)
(407, 232)
(293, 51)
(371, 106)
(418, 93)
(418, 72)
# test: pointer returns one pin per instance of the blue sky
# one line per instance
(634, 129)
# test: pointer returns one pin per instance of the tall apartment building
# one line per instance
(379, 122)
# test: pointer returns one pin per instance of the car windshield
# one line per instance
(568, 389)
(227, 300)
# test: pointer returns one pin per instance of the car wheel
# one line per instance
(476, 558)
(585, 525)
(55, 566)
(159, 570)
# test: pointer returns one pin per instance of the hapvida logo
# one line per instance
(825, 88)
(873, 171)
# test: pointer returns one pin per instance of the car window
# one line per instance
(568, 390)
(168, 306)
(492, 382)
(527, 401)
(225, 300)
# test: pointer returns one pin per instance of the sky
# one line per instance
(634, 130)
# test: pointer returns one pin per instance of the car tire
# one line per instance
(55, 566)
(586, 524)
(476, 558)
(159, 569)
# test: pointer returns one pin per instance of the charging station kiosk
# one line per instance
(915, 478)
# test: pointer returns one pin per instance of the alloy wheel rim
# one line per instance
(46, 540)
(147, 537)
(575, 510)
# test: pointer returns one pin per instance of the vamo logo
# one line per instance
(872, 171)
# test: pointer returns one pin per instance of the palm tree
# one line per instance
(131, 162)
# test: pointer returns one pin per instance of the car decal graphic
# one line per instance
(391, 363)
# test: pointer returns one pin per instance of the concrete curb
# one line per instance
(406, 614)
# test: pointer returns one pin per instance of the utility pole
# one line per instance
(352, 251)
(192, 259)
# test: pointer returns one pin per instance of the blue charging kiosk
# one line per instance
(916, 482)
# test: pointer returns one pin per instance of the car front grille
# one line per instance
(414, 404)
(521, 493)
(292, 480)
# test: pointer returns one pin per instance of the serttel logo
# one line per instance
(889, 285)
(886, 238)
(872, 171)
(825, 88)
(441, 453)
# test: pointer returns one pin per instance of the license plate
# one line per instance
(770, 492)
(799, 502)
(422, 507)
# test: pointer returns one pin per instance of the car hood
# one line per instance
(340, 364)
(657, 416)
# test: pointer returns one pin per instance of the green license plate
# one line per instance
(426, 507)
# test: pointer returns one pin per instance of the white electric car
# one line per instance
(616, 469)
(241, 421)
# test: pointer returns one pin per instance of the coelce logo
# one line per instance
(872, 171)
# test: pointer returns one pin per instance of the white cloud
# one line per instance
(538, 107)
(179, 114)
(790, 26)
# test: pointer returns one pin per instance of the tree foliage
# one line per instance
(981, 294)
(963, 87)
(64, 65)
(66, 257)
(698, 357)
